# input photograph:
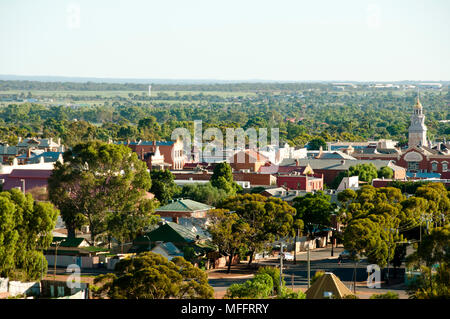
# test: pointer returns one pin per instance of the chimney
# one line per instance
(320, 152)
(297, 162)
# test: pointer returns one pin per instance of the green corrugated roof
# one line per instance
(67, 241)
(184, 205)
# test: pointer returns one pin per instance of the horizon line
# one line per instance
(62, 78)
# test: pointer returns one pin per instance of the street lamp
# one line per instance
(56, 253)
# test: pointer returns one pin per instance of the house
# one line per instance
(154, 160)
(7, 153)
(167, 250)
(69, 250)
(176, 234)
(26, 179)
(183, 208)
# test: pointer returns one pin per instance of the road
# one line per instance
(295, 275)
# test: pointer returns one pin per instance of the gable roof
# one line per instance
(184, 205)
(170, 248)
(257, 156)
(48, 157)
(335, 155)
(68, 241)
(171, 232)
(329, 282)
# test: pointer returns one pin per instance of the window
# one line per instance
(434, 166)
(444, 166)
(413, 166)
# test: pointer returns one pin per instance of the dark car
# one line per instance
(347, 255)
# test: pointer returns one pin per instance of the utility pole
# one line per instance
(281, 264)
(309, 266)
(56, 254)
(354, 280)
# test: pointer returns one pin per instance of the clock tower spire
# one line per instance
(417, 132)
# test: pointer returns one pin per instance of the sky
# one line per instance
(282, 40)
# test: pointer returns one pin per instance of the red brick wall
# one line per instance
(299, 183)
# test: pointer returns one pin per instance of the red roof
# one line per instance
(30, 173)
(33, 178)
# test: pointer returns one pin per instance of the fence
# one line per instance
(81, 261)
(15, 288)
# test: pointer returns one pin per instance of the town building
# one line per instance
(172, 151)
(420, 157)
(296, 181)
(248, 161)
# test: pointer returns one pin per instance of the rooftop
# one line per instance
(184, 205)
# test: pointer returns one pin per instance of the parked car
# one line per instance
(288, 256)
(347, 255)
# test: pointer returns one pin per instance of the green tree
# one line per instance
(438, 200)
(163, 185)
(152, 276)
(204, 193)
(25, 231)
(268, 218)
(315, 211)
(102, 185)
(373, 218)
(385, 172)
(228, 232)
(316, 143)
(275, 274)
(365, 172)
(222, 178)
(433, 249)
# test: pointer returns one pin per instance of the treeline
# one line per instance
(102, 86)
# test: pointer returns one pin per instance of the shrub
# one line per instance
(287, 293)
(259, 287)
(388, 295)
(275, 274)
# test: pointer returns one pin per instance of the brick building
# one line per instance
(173, 152)
(300, 182)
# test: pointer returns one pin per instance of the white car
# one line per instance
(288, 256)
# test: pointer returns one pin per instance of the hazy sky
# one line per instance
(230, 40)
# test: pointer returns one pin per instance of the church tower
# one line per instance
(417, 130)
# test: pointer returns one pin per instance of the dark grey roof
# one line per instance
(336, 164)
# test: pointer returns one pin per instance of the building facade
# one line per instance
(417, 132)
